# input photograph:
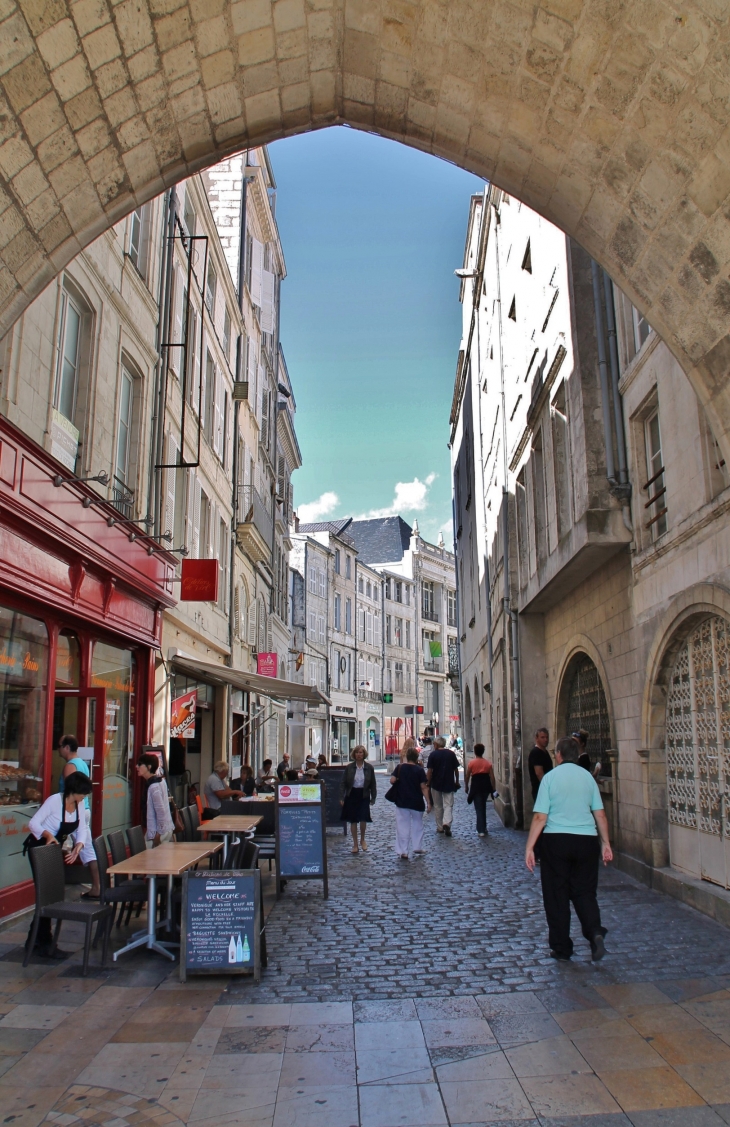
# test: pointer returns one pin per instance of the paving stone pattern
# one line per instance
(466, 918)
(480, 1028)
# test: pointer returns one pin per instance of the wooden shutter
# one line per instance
(264, 413)
(236, 613)
(170, 481)
(281, 477)
(194, 354)
(251, 636)
(217, 428)
(176, 334)
(252, 369)
(257, 271)
(196, 517)
(267, 302)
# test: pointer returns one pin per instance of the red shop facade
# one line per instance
(81, 600)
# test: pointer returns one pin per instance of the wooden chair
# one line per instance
(49, 877)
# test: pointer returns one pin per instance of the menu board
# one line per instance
(301, 852)
(332, 778)
(220, 925)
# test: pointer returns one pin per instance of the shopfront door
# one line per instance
(75, 713)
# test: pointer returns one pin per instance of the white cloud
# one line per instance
(410, 497)
(315, 510)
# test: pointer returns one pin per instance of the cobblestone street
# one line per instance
(421, 994)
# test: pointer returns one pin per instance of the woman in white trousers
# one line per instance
(412, 798)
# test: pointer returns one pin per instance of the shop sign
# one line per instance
(199, 581)
(64, 440)
(16, 660)
(300, 792)
(266, 664)
(182, 716)
(455, 718)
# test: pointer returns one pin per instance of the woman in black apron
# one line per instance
(58, 819)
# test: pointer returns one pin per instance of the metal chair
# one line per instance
(49, 877)
(135, 837)
(129, 892)
(118, 850)
(194, 820)
(187, 822)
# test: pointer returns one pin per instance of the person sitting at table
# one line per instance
(266, 776)
(248, 785)
(61, 817)
(216, 789)
(292, 775)
(322, 761)
(160, 826)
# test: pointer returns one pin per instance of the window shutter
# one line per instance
(252, 364)
(177, 322)
(267, 302)
(170, 481)
(251, 636)
(281, 478)
(257, 271)
(196, 517)
(261, 627)
(218, 414)
(369, 628)
(361, 625)
(269, 636)
(194, 360)
(236, 613)
(264, 412)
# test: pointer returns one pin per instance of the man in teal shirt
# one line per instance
(68, 750)
(569, 810)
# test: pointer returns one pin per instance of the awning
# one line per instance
(274, 687)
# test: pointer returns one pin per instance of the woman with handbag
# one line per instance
(359, 792)
(410, 793)
(479, 783)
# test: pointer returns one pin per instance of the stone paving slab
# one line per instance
(419, 995)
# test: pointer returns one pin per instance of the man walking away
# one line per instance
(479, 783)
(570, 812)
(443, 779)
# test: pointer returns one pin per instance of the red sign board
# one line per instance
(182, 716)
(199, 583)
(266, 664)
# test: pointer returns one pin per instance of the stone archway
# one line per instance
(611, 120)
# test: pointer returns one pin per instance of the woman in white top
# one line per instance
(160, 826)
(61, 816)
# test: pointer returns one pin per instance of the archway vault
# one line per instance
(609, 117)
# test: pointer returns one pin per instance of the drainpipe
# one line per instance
(623, 474)
(603, 373)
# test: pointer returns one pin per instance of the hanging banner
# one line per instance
(266, 664)
(182, 716)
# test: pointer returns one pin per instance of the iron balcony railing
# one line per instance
(252, 509)
(431, 615)
(122, 498)
(432, 664)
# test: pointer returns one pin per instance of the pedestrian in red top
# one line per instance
(479, 782)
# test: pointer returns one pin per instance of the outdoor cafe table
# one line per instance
(170, 859)
(228, 824)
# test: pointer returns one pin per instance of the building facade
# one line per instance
(590, 504)
(147, 417)
(309, 656)
(369, 619)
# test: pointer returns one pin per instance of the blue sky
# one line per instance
(372, 232)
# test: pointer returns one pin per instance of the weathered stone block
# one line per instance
(58, 44)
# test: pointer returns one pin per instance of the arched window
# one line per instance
(586, 708)
(698, 753)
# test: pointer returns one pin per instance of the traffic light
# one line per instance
(387, 698)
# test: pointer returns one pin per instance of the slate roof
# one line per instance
(381, 540)
(336, 527)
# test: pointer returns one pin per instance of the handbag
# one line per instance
(177, 820)
(392, 793)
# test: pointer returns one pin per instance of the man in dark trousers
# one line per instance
(443, 779)
(539, 763)
(569, 814)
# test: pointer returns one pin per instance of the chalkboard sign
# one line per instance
(301, 852)
(332, 778)
(221, 923)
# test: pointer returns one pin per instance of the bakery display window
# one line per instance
(23, 687)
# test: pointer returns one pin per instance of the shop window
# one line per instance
(114, 670)
(23, 681)
(68, 661)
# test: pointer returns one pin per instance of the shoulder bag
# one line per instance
(392, 793)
